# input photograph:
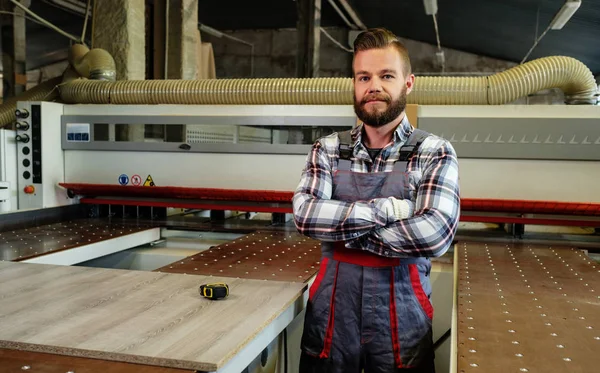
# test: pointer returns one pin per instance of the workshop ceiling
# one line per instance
(503, 29)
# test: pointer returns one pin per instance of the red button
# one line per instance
(29, 189)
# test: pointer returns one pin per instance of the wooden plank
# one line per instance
(262, 255)
(133, 316)
(526, 308)
(19, 361)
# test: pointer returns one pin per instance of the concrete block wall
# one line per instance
(275, 51)
(120, 29)
(274, 54)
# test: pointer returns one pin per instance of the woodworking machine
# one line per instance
(527, 163)
(149, 165)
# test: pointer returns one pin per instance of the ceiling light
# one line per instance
(564, 14)
(430, 7)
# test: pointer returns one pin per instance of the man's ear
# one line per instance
(410, 83)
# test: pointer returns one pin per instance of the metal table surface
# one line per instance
(263, 255)
(527, 308)
(27, 243)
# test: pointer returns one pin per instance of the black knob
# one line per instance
(21, 113)
(26, 175)
(23, 138)
(23, 126)
(26, 150)
(26, 162)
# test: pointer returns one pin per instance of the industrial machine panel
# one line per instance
(519, 138)
(40, 157)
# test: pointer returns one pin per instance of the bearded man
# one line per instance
(383, 199)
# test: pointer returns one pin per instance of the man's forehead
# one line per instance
(375, 61)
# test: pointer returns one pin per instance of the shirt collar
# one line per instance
(401, 133)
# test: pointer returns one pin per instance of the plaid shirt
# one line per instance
(371, 225)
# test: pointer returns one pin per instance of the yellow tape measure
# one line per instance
(214, 291)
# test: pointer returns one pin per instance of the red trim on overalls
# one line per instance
(418, 289)
(315, 285)
(394, 323)
(329, 333)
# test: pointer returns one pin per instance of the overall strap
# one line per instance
(407, 150)
(412, 144)
(345, 150)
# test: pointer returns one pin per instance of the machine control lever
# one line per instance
(21, 113)
(23, 138)
(23, 126)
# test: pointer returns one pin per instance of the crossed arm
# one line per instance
(372, 225)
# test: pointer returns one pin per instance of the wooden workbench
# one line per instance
(137, 317)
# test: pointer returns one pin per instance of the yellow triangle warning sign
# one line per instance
(149, 181)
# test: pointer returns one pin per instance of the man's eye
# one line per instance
(363, 78)
(388, 76)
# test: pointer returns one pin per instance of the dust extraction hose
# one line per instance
(566, 73)
(45, 91)
(92, 64)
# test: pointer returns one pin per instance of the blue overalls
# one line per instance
(367, 311)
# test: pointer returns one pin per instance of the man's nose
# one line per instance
(375, 85)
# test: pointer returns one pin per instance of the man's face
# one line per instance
(380, 87)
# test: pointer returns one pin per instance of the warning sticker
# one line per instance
(149, 181)
(136, 180)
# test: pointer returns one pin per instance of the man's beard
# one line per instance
(380, 118)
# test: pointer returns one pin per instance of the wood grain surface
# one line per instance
(17, 361)
(133, 316)
(527, 308)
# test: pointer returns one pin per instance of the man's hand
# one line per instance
(403, 208)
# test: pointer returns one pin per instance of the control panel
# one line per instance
(29, 148)
(40, 160)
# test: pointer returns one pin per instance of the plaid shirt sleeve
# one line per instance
(430, 231)
(316, 215)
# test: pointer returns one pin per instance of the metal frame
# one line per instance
(242, 120)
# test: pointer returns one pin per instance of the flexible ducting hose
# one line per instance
(45, 91)
(566, 73)
(93, 64)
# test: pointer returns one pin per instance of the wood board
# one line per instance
(133, 316)
(17, 361)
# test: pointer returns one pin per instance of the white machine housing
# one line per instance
(535, 153)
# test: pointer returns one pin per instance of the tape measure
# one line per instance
(214, 291)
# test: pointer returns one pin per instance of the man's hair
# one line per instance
(379, 38)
